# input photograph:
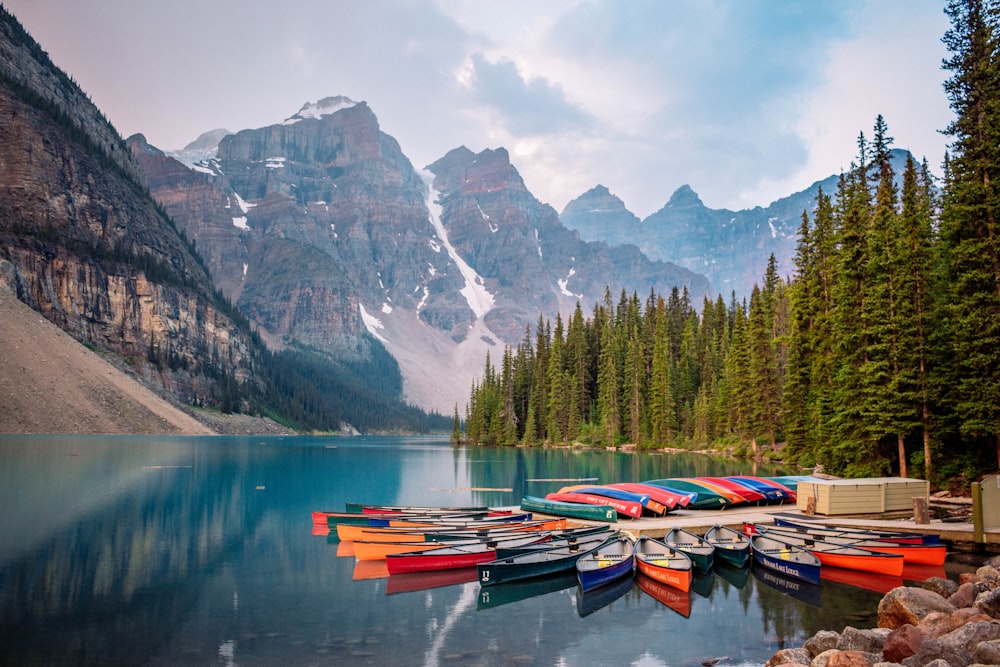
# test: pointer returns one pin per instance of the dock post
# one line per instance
(921, 514)
(978, 532)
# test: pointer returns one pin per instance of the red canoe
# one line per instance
(452, 558)
(666, 498)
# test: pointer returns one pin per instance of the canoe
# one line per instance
(440, 533)
(665, 594)
(684, 498)
(845, 556)
(378, 549)
(651, 506)
(449, 557)
(540, 563)
(707, 496)
(915, 554)
(901, 537)
(613, 559)
(787, 560)
(668, 499)
(563, 538)
(668, 566)
(331, 519)
(459, 521)
(772, 490)
(362, 508)
(700, 551)
(792, 481)
(629, 508)
(574, 510)
(747, 492)
(730, 545)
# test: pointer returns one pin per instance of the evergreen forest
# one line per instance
(878, 355)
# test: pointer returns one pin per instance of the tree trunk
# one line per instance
(902, 454)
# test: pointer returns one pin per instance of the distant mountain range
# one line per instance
(323, 235)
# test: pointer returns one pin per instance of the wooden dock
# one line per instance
(959, 535)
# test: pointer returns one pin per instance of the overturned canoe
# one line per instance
(574, 510)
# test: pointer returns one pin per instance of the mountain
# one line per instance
(731, 248)
(323, 233)
(82, 242)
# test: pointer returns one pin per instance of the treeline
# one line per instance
(880, 355)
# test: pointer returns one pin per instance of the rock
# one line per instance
(989, 603)
(967, 615)
(988, 653)
(789, 656)
(932, 650)
(990, 575)
(835, 658)
(870, 641)
(824, 640)
(902, 643)
(943, 587)
(936, 624)
(908, 604)
(970, 635)
(993, 561)
(966, 593)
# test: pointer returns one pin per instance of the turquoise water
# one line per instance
(200, 551)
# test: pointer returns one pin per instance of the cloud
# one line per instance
(530, 107)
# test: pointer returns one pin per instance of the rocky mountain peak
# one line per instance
(324, 107)
(685, 197)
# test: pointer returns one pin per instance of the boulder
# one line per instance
(835, 658)
(993, 561)
(988, 653)
(932, 650)
(989, 603)
(789, 656)
(902, 643)
(852, 639)
(990, 575)
(966, 593)
(967, 615)
(935, 624)
(970, 635)
(824, 640)
(908, 604)
(943, 587)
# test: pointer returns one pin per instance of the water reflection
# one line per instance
(199, 551)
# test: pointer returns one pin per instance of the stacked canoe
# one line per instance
(633, 500)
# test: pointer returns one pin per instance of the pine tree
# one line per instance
(969, 218)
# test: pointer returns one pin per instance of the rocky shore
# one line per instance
(939, 623)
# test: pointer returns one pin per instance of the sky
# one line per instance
(745, 101)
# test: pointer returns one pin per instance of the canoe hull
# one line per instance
(574, 510)
(662, 564)
(730, 545)
(785, 560)
(611, 561)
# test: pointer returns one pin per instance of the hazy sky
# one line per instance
(746, 101)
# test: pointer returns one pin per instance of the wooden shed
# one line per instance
(869, 495)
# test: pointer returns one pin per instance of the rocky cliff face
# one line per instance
(82, 242)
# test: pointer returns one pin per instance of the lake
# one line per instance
(200, 551)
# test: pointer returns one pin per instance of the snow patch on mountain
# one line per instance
(325, 107)
(480, 300)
